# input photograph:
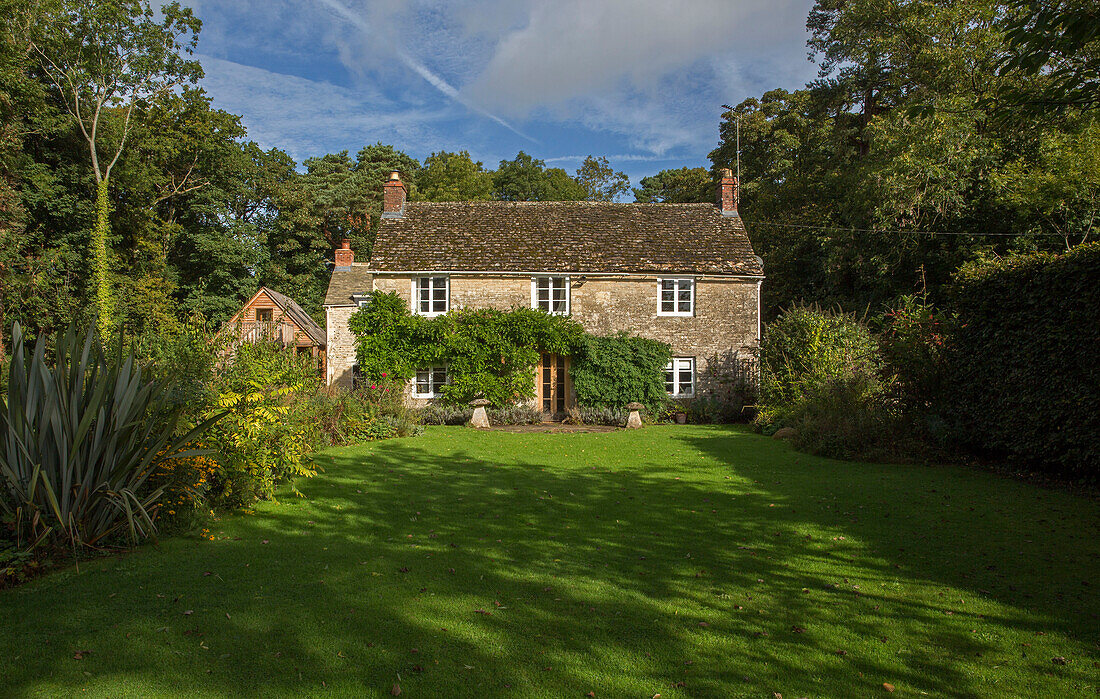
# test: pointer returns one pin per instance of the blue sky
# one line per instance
(638, 81)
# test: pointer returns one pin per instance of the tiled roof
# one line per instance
(562, 237)
(298, 314)
(344, 283)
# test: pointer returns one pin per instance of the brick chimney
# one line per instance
(728, 193)
(344, 255)
(393, 196)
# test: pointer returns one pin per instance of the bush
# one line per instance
(1023, 378)
(603, 415)
(802, 351)
(521, 414)
(515, 415)
(445, 415)
(821, 376)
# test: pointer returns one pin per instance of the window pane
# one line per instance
(559, 305)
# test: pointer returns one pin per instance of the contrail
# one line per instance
(422, 70)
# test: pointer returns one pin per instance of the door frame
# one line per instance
(566, 386)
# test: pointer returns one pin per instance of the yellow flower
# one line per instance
(171, 512)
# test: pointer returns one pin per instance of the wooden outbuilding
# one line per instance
(269, 315)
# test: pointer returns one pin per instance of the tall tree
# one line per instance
(103, 58)
(683, 186)
(453, 177)
(1059, 41)
(849, 183)
(528, 179)
(601, 181)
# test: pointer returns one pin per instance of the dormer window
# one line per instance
(550, 294)
(677, 297)
(431, 295)
(263, 315)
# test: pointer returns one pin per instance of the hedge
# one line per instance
(1023, 367)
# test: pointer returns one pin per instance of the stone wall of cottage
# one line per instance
(341, 345)
(721, 336)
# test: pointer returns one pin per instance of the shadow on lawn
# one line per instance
(617, 579)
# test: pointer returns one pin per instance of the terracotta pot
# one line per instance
(681, 418)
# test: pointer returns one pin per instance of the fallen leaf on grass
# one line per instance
(888, 687)
(396, 691)
(189, 612)
(79, 655)
(1059, 660)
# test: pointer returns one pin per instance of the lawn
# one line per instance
(684, 561)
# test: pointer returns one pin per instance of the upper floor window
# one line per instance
(429, 381)
(680, 377)
(431, 295)
(550, 294)
(264, 315)
(361, 300)
(677, 297)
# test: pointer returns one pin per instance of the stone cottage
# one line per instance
(684, 274)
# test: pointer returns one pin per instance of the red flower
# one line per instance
(373, 386)
(383, 374)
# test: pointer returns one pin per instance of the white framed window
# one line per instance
(361, 300)
(431, 295)
(550, 294)
(676, 297)
(428, 381)
(680, 377)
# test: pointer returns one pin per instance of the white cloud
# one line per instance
(612, 75)
(307, 117)
(578, 48)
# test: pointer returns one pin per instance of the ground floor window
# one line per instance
(680, 376)
(429, 381)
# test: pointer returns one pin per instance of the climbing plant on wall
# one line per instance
(488, 352)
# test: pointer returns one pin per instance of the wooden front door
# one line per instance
(554, 386)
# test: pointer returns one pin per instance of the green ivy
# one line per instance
(488, 353)
(619, 369)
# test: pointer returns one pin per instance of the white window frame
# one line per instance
(433, 385)
(676, 282)
(361, 300)
(676, 366)
(431, 293)
(535, 294)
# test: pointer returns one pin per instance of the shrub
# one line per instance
(913, 344)
(602, 415)
(802, 350)
(445, 415)
(1023, 379)
(521, 414)
(79, 437)
(619, 369)
(821, 376)
(515, 415)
